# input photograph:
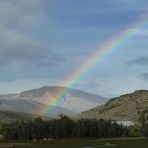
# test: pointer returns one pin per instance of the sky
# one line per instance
(42, 42)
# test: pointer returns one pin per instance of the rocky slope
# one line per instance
(126, 107)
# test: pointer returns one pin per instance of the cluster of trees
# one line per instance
(63, 127)
(145, 130)
(144, 122)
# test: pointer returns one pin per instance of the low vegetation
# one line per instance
(82, 143)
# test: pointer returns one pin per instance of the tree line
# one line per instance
(144, 122)
(64, 127)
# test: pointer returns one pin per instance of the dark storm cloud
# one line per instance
(139, 61)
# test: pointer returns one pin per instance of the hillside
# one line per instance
(31, 107)
(8, 116)
(74, 100)
(126, 107)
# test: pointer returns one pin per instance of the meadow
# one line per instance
(83, 143)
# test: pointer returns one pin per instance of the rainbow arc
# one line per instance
(101, 53)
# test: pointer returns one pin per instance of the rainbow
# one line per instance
(101, 53)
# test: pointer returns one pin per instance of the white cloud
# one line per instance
(16, 86)
(115, 86)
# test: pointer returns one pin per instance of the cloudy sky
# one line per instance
(42, 42)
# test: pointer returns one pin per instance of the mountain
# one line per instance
(74, 100)
(127, 107)
(31, 107)
(9, 116)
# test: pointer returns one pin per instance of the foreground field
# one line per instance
(83, 143)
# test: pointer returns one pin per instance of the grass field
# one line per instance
(84, 143)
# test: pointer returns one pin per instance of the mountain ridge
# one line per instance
(74, 100)
(126, 107)
(31, 107)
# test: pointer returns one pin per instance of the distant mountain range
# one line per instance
(126, 107)
(25, 105)
(31, 101)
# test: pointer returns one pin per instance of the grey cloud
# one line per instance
(16, 44)
(139, 61)
(21, 13)
(93, 84)
(143, 76)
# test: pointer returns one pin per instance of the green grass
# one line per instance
(80, 143)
